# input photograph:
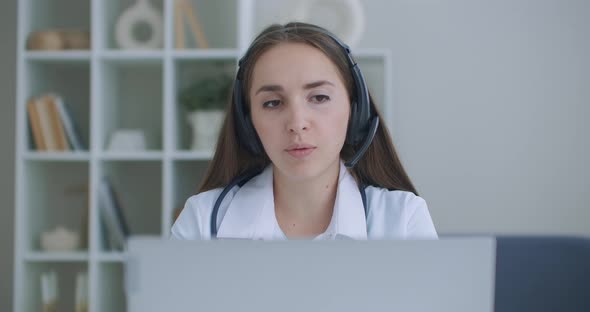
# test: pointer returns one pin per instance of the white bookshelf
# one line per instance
(107, 89)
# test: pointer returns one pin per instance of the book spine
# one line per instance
(68, 124)
(35, 125)
(195, 25)
(179, 24)
(57, 126)
(45, 122)
(112, 216)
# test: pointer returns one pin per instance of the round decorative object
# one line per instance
(45, 40)
(76, 39)
(127, 140)
(345, 18)
(142, 12)
(59, 40)
(60, 239)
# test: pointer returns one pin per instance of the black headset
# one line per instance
(361, 127)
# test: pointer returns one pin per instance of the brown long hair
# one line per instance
(380, 166)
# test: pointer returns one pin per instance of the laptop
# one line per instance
(455, 274)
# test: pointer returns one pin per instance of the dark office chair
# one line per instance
(540, 274)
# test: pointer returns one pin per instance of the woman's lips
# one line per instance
(301, 152)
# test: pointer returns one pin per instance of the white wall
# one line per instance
(490, 101)
(7, 134)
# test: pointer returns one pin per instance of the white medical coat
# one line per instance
(248, 212)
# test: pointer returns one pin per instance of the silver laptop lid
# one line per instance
(446, 275)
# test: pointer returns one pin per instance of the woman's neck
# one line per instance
(305, 207)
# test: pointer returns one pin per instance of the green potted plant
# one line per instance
(204, 102)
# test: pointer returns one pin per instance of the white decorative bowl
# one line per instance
(60, 239)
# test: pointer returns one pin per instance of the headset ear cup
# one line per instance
(351, 123)
(352, 135)
(247, 135)
(252, 141)
(244, 128)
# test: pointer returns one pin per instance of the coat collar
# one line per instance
(251, 214)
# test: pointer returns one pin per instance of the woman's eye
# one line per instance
(271, 104)
(320, 98)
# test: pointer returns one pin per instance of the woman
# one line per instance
(303, 152)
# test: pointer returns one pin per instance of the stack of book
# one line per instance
(51, 124)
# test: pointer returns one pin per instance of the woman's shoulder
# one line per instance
(192, 222)
(203, 200)
(394, 199)
(396, 213)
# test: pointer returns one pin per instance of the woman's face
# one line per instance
(300, 109)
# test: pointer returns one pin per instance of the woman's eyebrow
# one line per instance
(316, 84)
(269, 88)
(307, 86)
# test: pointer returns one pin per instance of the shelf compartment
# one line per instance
(110, 14)
(188, 72)
(111, 290)
(187, 177)
(69, 80)
(49, 15)
(218, 21)
(131, 98)
(66, 279)
(137, 188)
(58, 196)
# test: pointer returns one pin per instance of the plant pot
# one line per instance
(205, 126)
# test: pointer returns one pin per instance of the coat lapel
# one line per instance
(350, 219)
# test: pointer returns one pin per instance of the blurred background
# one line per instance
(489, 101)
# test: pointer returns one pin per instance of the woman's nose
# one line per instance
(297, 119)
